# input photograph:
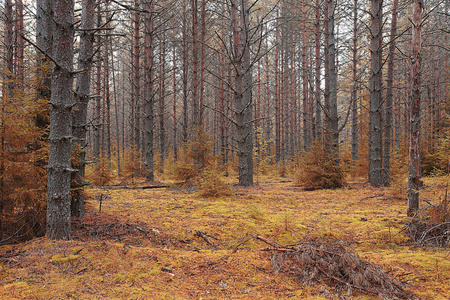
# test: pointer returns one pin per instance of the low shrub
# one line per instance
(318, 170)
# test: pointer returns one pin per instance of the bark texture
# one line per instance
(355, 83)
(389, 96)
(375, 89)
(414, 146)
(81, 104)
(242, 90)
(332, 130)
(149, 96)
(60, 139)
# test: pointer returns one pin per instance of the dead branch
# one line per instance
(205, 236)
(277, 247)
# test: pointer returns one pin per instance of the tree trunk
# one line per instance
(389, 96)
(375, 89)
(97, 110)
(355, 83)
(59, 168)
(149, 97)
(242, 90)
(202, 60)
(107, 101)
(9, 49)
(81, 101)
(185, 76)
(277, 94)
(44, 40)
(175, 146)
(162, 100)
(137, 81)
(414, 146)
(196, 112)
(306, 117)
(20, 44)
(326, 92)
(332, 130)
(116, 108)
(318, 123)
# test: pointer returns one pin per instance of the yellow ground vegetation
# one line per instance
(171, 243)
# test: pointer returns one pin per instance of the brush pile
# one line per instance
(431, 225)
(108, 227)
(342, 270)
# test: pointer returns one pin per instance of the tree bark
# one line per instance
(195, 104)
(175, 92)
(307, 119)
(149, 97)
(162, 102)
(9, 49)
(81, 102)
(355, 83)
(414, 145)
(332, 130)
(185, 75)
(242, 90)
(59, 168)
(137, 80)
(97, 109)
(277, 94)
(389, 96)
(375, 90)
(44, 40)
(318, 119)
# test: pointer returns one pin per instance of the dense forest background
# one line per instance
(97, 90)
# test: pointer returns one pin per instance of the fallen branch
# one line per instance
(120, 187)
(206, 238)
(277, 247)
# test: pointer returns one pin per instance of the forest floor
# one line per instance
(170, 243)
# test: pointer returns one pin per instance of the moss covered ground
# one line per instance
(171, 243)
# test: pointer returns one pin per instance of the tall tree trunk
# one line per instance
(175, 145)
(137, 80)
(44, 40)
(306, 117)
(97, 110)
(375, 89)
(59, 168)
(162, 102)
(202, 59)
(149, 97)
(355, 83)
(318, 122)
(326, 92)
(332, 130)
(20, 44)
(9, 49)
(81, 102)
(116, 107)
(277, 94)
(414, 146)
(185, 75)
(195, 105)
(242, 90)
(223, 145)
(389, 96)
(107, 100)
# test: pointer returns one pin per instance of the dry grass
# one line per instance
(145, 244)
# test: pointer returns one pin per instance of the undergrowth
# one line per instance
(319, 169)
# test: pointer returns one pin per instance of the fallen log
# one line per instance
(120, 187)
